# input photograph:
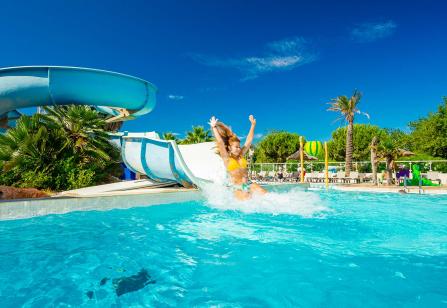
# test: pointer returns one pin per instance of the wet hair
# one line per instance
(227, 135)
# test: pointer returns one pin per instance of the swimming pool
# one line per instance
(310, 249)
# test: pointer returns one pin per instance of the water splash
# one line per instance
(294, 201)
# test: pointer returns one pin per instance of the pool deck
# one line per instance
(370, 188)
(62, 204)
(132, 192)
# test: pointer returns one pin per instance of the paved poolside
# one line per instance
(428, 190)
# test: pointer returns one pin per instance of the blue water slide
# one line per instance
(161, 160)
(30, 86)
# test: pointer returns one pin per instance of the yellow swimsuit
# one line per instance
(234, 164)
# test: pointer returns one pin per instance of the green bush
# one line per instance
(36, 179)
(67, 148)
(292, 165)
(78, 178)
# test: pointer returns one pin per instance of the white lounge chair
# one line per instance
(353, 177)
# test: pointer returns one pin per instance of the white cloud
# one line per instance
(255, 136)
(280, 55)
(175, 97)
(370, 32)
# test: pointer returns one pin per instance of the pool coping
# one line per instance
(29, 208)
(142, 197)
(385, 189)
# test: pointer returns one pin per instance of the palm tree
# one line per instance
(373, 148)
(83, 130)
(197, 135)
(347, 107)
(4, 123)
(31, 143)
(389, 150)
(170, 136)
(113, 126)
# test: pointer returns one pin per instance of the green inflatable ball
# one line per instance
(314, 148)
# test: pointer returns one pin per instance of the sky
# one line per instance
(281, 61)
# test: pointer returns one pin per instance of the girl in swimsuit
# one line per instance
(232, 154)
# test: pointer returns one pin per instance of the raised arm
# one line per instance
(219, 141)
(250, 135)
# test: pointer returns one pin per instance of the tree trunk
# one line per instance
(389, 169)
(4, 123)
(113, 126)
(349, 149)
(374, 159)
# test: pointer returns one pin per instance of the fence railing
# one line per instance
(360, 166)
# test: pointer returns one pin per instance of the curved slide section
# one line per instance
(164, 160)
(31, 86)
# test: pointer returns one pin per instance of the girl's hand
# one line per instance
(252, 120)
(213, 121)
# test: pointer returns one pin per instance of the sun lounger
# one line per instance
(353, 178)
(311, 177)
(434, 176)
(365, 177)
(321, 178)
(340, 177)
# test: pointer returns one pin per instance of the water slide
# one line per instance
(164, 160)
(121, 96)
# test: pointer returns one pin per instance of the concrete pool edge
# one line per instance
(23, 209)
(384, 189)
(104, 201)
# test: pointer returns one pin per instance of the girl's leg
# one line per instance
(242, 195)
(255, 188)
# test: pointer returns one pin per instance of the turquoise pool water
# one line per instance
(311, 249)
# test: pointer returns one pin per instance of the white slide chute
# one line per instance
(164, 160)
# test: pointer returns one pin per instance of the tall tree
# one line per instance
(373, 148)
(347, 107)
(362, 136)
(429, 134)
(197, 135)
(275, 147)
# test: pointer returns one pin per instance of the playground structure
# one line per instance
(417, 179)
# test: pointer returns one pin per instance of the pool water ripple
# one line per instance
(343, 249)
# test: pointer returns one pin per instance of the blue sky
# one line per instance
(279, 60)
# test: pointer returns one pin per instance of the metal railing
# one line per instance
(359, 166)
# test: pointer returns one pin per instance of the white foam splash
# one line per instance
(294, 202)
